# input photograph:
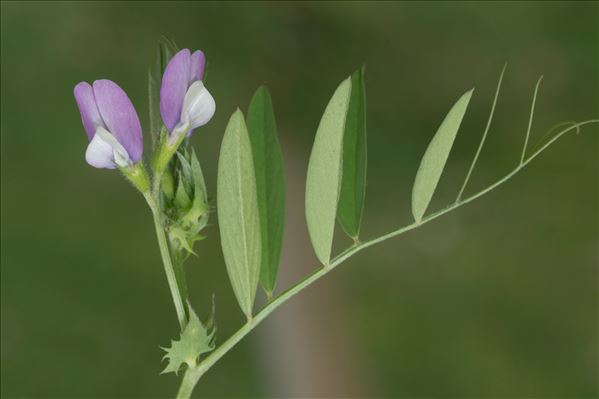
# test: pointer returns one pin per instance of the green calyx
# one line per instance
(138, 176)
(168, 185)
(167, 148)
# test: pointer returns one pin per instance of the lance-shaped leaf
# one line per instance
(353, 181)
(324, 173)
(238, 214)
(435, 157)
(270, 183)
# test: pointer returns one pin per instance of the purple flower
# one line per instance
(185, 103)
(111, 124)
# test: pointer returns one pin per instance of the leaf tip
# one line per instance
(466, 97)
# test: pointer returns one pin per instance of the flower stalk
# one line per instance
(177, 293)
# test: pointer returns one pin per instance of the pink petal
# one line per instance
(198, 63)
(120, 117)
(175, 82)
(90, 116)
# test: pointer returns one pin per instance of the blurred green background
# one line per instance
(499, 299)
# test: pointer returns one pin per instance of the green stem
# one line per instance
(187, 384)
(177, 261)
(193, 374)
(153, 202)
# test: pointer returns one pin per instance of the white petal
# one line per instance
(104, 151)
(198, 106)
(99, 153)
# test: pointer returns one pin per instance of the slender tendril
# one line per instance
(553, 129)
(532, 112)
(193, 374)
(482, 141)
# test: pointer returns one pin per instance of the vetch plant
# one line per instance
(250, 198)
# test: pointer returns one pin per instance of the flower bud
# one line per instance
(189, 208)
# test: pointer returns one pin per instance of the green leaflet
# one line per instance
(324, 173)
(270, 183)
(195, 340)
(238, 216)
(435, 157)
(353, 181)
